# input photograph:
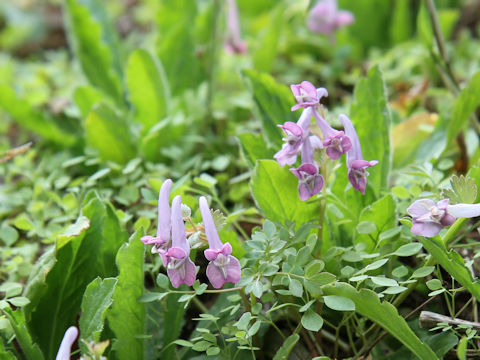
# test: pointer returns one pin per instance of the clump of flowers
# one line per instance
(172, 245)
(299, 141)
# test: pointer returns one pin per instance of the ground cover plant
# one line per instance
(221, 179)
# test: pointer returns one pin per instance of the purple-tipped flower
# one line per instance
(180, 269)
(223, 267)
(357, 173)
(307, 95)
(161, 242)
(335, 142)
(67, 342)
(325, 18)
(310, 182)
(293, 140)
(429, 218)
(233, 42)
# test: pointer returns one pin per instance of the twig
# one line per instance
(430, 319)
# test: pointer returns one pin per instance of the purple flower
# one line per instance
(357, 173)
(67, 342)
(335, 142)
(325, 18)
(180, 269)
(233, 42)
(223, 267)
(293, 140)
(161, 242)
(310, 182)
(429, 218)
(307, 95)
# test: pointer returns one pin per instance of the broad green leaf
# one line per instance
(383, 281)
(96, 300)
(95, 44)
(372, 120)
(275, 192)
(384, 314)
(453, 263)
(382, 214)
(287, 347)
(312, 321)
(108, 133)
(339, 303)
(58, 283)
(176, 44)
(86, 97)
(273, 102)
(30, 350)
(254, 148)
(147, 88)
(265, 54)
(467, 102)
(34, 120)
(126, 316)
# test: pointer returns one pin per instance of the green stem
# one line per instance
(206, 291)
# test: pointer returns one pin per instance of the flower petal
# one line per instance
(217, 277)
(211, 233)
(67, 342)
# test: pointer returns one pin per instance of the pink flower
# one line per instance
(325, 18)
(161, 241)
(357, 166)
(180, 269)
(223, 267)
(429, 218)
(335, 142)
(233, 42)
(307, 95)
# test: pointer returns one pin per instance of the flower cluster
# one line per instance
(299, 141)
(173, 247)
(429, 218)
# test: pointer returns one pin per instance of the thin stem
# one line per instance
(206, 291)
(200, 305)
(437, 30)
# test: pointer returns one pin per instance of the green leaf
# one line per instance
(266, 52)
(126, 316)
(312, 321)
(295, 287)
(384, 314)
(29, 118)
(383, 281)
(273, 101)
(96, 300)
(408, 249)
(463, 190)
(95, 44)
(275, 192)
(423, 271)
(366, 227)
(176, 46)
(147, 87)
(30, 350)
(339, 303)
(254, 148)
(467, 102)
(462, 348)
(453, 263)
(382, 214)
(108, 133)
(59, 281)
(372, 120)
(86, 97)
(19, 301)
(287, 347)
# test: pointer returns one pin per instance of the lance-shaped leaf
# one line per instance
(96, 300)
(453, 263)
(126, 317)
(384, 314)
(95, 44)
